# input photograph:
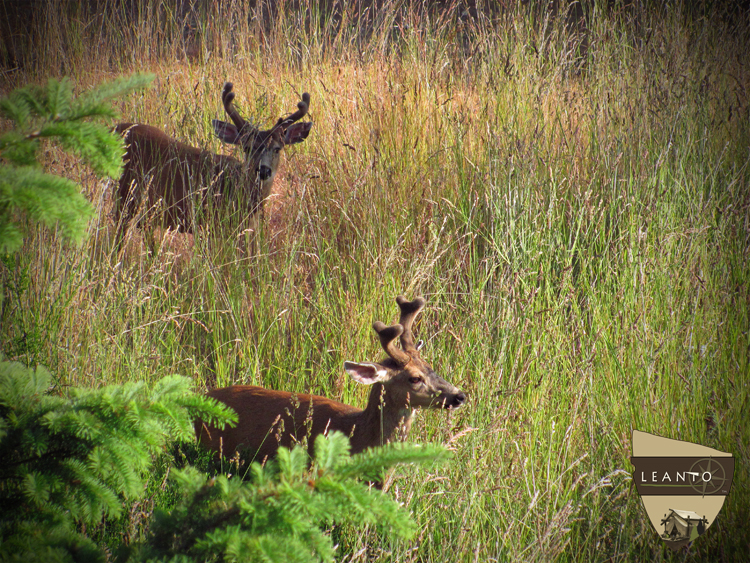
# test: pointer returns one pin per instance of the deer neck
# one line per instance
(382, 421)
(256, 190)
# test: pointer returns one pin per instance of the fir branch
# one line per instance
(102, 454)
(281, 512)
(53, 112)
(371, 464)
(96, 447)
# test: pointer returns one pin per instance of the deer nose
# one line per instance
(458, 400)
(264, 172)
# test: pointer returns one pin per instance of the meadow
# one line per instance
(569, 191)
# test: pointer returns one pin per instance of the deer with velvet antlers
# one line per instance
(175, 176)
(400, 383)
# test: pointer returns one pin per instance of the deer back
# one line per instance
(173, 175)
(269, 419)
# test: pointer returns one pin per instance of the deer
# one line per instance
(176, 175)
(401, 383)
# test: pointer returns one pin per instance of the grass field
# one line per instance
(572, 198)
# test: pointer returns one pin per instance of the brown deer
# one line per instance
(176, 175)
(400, 383)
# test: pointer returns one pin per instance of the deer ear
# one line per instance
(297, 132)
(226, 132)
(366, 373)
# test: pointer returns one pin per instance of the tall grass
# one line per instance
(572, 197)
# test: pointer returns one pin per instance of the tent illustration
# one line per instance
(681, 525)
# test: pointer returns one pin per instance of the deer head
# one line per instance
(262, 148)
(407, 379)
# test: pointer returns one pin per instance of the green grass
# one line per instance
(577, 219)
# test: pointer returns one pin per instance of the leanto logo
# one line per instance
(682, 485)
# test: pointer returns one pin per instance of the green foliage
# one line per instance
(72, 461)
(281, 513)
(52, 112)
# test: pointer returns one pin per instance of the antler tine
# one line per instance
(302, 108)
(227, 97)
(409, 311)
(388, 335)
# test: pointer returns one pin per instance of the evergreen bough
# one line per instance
(53, 112)
(281, 512)
(68, 462)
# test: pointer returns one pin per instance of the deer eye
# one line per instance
(414, 380)
(277, 150)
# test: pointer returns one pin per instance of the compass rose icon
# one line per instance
(710, 476)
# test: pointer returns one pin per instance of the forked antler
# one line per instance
(388, 334)
(302, 108)
(409, 312)
(227, 97)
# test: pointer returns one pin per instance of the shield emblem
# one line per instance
(682, 485)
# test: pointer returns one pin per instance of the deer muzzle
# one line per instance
(265, 172)
(454, 401)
